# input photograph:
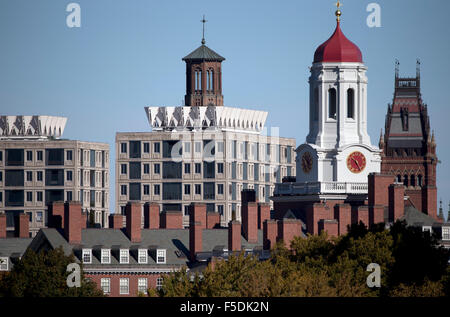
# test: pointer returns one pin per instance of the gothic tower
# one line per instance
(203, 76)
(409, 148)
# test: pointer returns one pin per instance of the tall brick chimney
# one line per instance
(343, 214)
(197, 213)
(396, 201)
(270, 234)
(172, 219)
(2, 226)
(22, 228)
(72, 222)
(234, 236)
(116, 221)
(195, 239)
(151, 216)
(212, 220)
(56, 215)
(133, 214)
(378, 188)
(288, 229)
(330, 226)
(263, 214)
(250, 221)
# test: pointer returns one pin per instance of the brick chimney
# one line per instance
(234, 236)
(249, 216)
(133, 213)
(376, 214)
(195, 239)
(197, 213)
(22, 227)
(116, 221)
(343, 214)
(288, 229)
(2, 226)
(72, 222)
(151, 216)
(270, 233)
(361, 214)
(212, 220)
(396, 201)
(56, 215)
(171, 219)
(378, 188)
(247, 196)
(263, 214)
(330, 226)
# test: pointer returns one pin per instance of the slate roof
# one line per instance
(414, 217)
(204, 53)
(175, 241)
(13, 248)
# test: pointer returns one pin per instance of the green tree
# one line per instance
(44, 274)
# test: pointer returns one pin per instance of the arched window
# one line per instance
(350, 103)
(211, 77)
(399, 178)
(332, 103)
(413, 181)
(316, 104)
(419, 180)
(405, 180)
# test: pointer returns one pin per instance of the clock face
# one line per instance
(356, 162)
(307, 162)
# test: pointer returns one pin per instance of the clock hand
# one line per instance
(357, 163)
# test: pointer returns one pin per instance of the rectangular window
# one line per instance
(135, 149)
(159, 283)
(161, 256)
(198, 147)
(156, 189)
(29, 196)
(1, 156)
(135, 170)
(220, 209)
(39, 155)
(135, 191)
(157, 168)
(146, 189)
(220, 168)
(172, 170)
(142, 285)
(446, 233)
(123, 168)
(39, 196)
(1, 176)
(187, 168)
(1, 197)
(4, 264)
(69, 196)
(123, 189)
(29, 155)
(146, 168)
(124, 286)
(146, 147)
(124, 256)
(105, 284)
(220, 189)
(39, 216)
(54, 156)
(198, 189)
(157, 147)
(187, 189)
(220, 147)
(14, 157)
(69, 155)
(172, 191)
(69, 175)
(187, 147)
(29, 176)
(142, 256)
(198, 168)
(123, 148)
(39, 176)
(106, 256)
(87, 256)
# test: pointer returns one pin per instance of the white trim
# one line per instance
(4, 262)
(161, 253)
(86, 252)
(144, 255)
(109, 256)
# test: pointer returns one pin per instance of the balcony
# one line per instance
(286, 189)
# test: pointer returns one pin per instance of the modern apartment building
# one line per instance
(37, 167)
(202, 151)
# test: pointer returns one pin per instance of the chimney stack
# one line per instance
(116, 221)
(56, 215)
(288, 229)
(396, 201)
(151, 216)
(270, 233)
(72, 222)
(172, 219)
(378, 189)
(250, 221)
(22, 228)
(197, 213)
(343, 214)
(330, 226)
(133, 215)
(234, 236)
(195, 239)
(2, 226)
(263, 214)
(212, 220)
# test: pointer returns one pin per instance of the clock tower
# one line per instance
(338, 151)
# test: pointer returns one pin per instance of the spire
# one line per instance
(433, 141)
(441, 212)
(203, 37)
(397, 68)
(338, 12)
(381, 142)
(418, 68)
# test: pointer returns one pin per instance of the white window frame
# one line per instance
(159, 282)
(446, 233)
(142, 285)
(427, 228)
(87, 252)
(122, 255)
(105, 253)
(4, 264)
(161, 253)
(142, 256)
(107, 281)
(124, 282)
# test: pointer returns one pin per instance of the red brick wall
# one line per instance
(396, 201)
(133, 225)
(343, 214)
(250, 221)
(195, 239)
(430, 201)
(234, 236)
(263, 214)
(22, 228)
(330, 226)
(172, 220)
(378, 189)
(151, 216)
(132, 282)
(376, 214)
(288, 229)
(270, 234)
(197, 213)
(318, 211)
(2, 226)
(116, 221)
(361, 214)
(212, 220)
(72, 222)
(56, 215)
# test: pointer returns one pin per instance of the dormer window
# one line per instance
(4, 264)
(427, 229)
(87, 256)
(161, 256)
(142, 256)
(446, 233)
(124, 256)
(106, 256)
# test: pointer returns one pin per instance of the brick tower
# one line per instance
(203, 76)
(409, 148)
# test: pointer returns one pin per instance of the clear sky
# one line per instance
(127, 55)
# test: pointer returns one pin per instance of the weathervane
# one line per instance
(203, 21)
(338, 11)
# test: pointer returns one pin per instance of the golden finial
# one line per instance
(338, 12)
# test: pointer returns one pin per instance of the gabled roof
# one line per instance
(204, 53)
(414, 217)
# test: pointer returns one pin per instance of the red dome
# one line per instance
(338, 48)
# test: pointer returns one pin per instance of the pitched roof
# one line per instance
(414, 217)
(204, 53)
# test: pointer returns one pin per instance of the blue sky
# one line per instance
(127, 55)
